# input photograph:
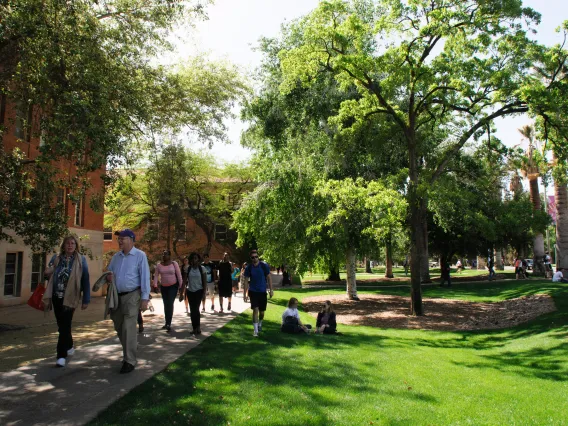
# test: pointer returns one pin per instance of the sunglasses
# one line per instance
(254, 257)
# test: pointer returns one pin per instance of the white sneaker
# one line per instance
(60, 362)
(255, 334)
(71, 351)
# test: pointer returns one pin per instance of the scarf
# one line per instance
(72, 297)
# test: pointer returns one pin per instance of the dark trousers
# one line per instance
(169, 295)
(64, 317)
(195, 298)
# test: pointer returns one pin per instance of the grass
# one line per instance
(367, 375)
(378, 275)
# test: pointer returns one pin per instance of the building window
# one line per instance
(181, 231)
(235, 201)
(79, 213)
(220, 232)
(107, 234)
(23, 126)
(61, 199)
(13, 274)
(38, 267)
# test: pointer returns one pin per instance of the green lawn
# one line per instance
(367, 375)
(379, 275)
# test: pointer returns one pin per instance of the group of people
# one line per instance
(325, 324)
(129, 278)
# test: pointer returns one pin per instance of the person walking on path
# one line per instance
(225, 281)
(286, 277)
(446, 270)
(184, 271)
(131, 273)
(235, 277)
(244, 282)
(210, 269)
(169, 275)
(459, 266)
(258, 274)
(326, 322)
(68, 275)
(195, 290)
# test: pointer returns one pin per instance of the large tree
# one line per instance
(440, 71)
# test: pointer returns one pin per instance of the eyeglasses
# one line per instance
(254, 257)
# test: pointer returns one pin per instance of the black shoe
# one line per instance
(165, 327)
(168, 328)
(126, 368)
(229, 307)
(197, 332)
(140, 329)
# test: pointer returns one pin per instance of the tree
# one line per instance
(531, 171)
(440, 71)
(85, 71)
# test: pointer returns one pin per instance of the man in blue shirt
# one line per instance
(258, 274)
(131, 272)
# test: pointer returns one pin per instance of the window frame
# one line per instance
(78, 214)
(17, 274)
(178, 231)
(221, 232)
(106, 232)
(42, 263)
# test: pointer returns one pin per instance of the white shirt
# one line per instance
(289, 312)
(557, 277)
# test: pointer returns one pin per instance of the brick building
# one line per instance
(21, 270)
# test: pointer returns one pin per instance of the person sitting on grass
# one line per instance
(326, 323)
(558, 277)
(291, 322)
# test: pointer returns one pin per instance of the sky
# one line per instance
(234, 27)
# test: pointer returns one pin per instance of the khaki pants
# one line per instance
(124, 318)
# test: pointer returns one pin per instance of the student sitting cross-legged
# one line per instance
(291, 319)
(326, 323)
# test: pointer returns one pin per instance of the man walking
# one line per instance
(131, 273)
(258, 274)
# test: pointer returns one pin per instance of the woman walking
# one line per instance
(195, 290)
(169, 275)
(68, 275)
(184, 271)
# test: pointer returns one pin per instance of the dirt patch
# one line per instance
(441, 314)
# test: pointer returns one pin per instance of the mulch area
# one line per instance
(456, 278)
(441, 314)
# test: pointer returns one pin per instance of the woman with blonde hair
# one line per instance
(326, 322)
(68, 276)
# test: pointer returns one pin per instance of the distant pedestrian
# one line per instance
(184, 271)
(490, 267)
(235, 278)
(225, 283)
(446, 274)
(169, 275)
(195, 290)
(519, 269)
(286, 277)
(459, 266)
(244, 282)
(211, 271)
(68, 275)
(326, 322)
(131, 273)
(405, 265)
(258, 274)
(548, 271)
(278, 271)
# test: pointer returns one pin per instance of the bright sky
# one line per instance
(234, 27)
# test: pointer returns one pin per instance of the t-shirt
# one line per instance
(224, 271)
(289, 312)
(557, 277)
(194, 282)
(209, 268)
(169, 274)
(257, 275)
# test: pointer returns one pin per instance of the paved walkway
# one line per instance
(40, 394)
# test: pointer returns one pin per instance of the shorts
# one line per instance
(211, 289)
(258, 300)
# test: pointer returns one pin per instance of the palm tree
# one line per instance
(530, 171)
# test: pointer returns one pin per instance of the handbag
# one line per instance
(35, 300)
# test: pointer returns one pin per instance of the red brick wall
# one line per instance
(92, 220)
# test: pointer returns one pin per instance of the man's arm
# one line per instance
(145, 278)
(269, 281)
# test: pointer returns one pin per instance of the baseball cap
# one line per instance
(127, 233)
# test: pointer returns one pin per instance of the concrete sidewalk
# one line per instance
(40, 394)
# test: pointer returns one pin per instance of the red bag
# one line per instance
(35, 300)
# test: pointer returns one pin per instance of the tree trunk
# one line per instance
(538, 242)
(416, 232)
(499, 264)
(368, 269)
(169, 231)
(388, 256)
(333, 273)
(351, 263)
(561, 195)
(424, 259)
